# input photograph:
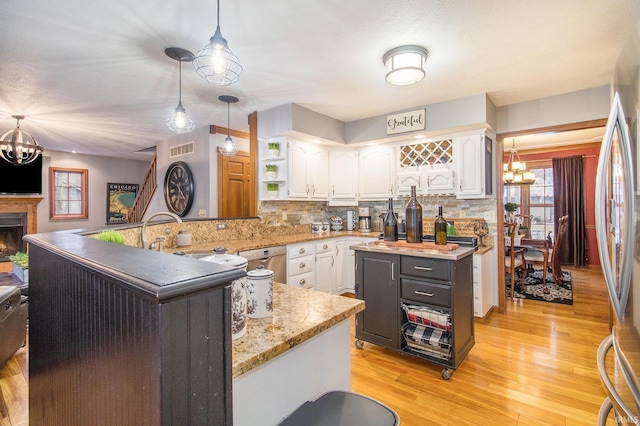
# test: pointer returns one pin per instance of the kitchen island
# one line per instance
(419, 300)
(143, 337)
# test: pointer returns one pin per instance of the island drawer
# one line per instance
(299, 250)
(425, 292)
(424, 267)
(299, 265)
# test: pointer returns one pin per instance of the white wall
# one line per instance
(101, 170)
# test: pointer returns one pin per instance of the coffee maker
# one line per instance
(364, 219)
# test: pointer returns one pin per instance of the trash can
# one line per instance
(338, 408)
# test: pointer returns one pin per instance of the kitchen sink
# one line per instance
(193, 255)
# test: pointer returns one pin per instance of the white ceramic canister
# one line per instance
(238, 290)
(183, 239)
(259, 292)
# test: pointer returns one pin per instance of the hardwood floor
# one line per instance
(533, 365)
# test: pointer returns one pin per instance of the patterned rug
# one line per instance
(534, 288)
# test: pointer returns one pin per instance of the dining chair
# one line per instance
(547, 252)
(514, 259)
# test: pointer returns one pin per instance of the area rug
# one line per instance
(534, 288)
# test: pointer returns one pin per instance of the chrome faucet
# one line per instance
(143, 237)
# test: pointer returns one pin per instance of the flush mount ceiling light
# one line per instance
(228, 147)
(179, 121)
(515, 171)
(215, 62)
(19, 147)
(405, 64)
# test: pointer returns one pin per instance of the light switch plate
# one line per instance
(202, 213)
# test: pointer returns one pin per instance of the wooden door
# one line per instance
(237, 189)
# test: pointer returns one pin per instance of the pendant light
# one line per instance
(515, 171)
(405, 64)
(228, 147)
(215, 62)
(17, 146)
(179, 121)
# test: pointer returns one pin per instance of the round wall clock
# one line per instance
(178, 188)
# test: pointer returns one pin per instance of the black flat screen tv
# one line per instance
(23, 179)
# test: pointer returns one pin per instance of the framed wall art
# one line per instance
(120, 198)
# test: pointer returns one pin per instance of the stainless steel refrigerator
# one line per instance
(615, 229)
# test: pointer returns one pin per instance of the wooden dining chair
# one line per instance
(514, 260)
(547, 253)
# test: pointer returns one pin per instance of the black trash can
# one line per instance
(338, 408)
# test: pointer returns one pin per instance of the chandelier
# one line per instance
(515, 171)
(17, 146)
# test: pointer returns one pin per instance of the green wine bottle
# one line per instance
(440, 228)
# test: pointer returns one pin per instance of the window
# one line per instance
(68, 193)
(535, 200)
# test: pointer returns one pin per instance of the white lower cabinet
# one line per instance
(301, 265)
(327, 265)
(482, 282)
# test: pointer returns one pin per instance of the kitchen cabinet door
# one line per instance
(440, 182)
(342, 265)
(318, 177)
(326, 272)
(343, 175)
(408, 179)
(377, 284)
(470, 161)
(298, 183)
(308, 171)
(377, 173)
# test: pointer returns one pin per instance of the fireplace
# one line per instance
(13, 226)
(18, 216)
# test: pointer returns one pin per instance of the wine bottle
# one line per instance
(440, 228)
(390, 224)
(413, 213)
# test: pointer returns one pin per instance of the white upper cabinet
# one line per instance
(408, 179)
(308, 171)
(473, 154)
(377, 173)
(440, 181)
(343, 175)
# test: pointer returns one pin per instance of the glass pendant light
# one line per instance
(179, 121)
(215, 62)
(228, 147)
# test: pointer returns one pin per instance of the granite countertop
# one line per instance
(298, 315)
(420, 250)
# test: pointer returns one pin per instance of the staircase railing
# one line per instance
(148, 188)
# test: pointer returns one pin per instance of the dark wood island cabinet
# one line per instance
(419, 302)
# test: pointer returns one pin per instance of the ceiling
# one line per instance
(92, 76)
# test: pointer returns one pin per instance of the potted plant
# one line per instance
(272, 190)
(272, 171)
(20, 265)
(111, 236)
(510, 208)
(274, 149)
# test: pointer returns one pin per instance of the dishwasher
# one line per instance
(272, 258)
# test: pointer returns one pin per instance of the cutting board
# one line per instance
(417, 246)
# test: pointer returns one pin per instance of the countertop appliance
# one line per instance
(272, 258)
(619, 250)
(364, 219)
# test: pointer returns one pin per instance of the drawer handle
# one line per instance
(302, 265)
(301, 251)
(422, 268)
(325, 246)
(303, 281)
(422, 293)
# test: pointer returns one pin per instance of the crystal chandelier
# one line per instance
(515, 171)
(19, 147)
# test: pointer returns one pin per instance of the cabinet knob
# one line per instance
(302, 265)
(324, 247)
(302, 250)
(303, 282)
